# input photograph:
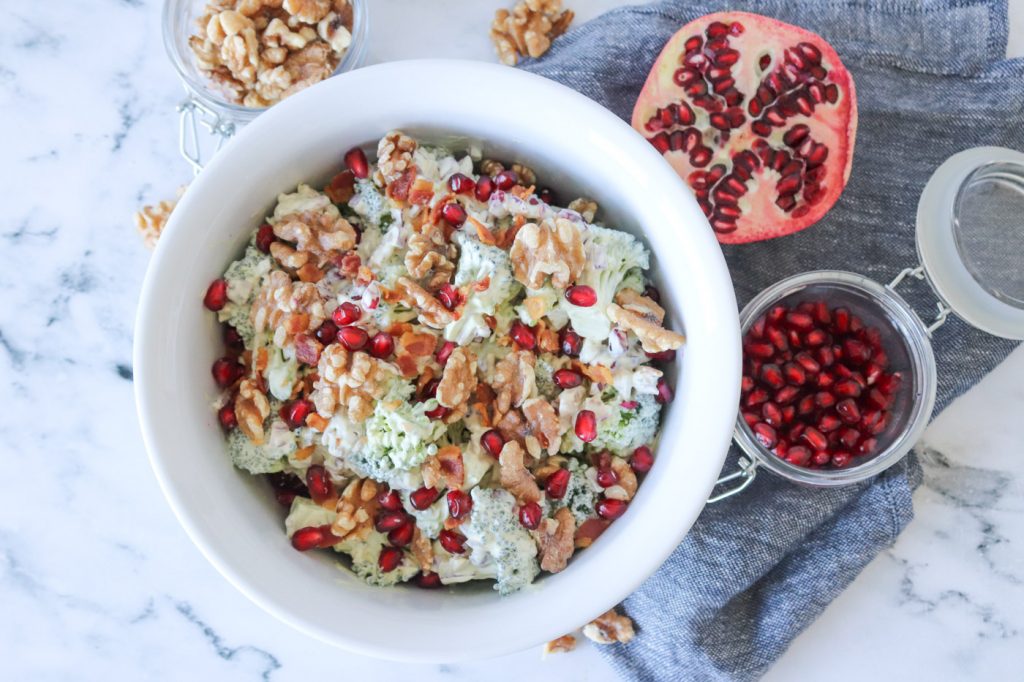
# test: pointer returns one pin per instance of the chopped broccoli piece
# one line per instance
(496, 538)
(477, 262)
(260, 459)
(626, 429)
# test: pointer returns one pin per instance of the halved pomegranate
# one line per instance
(758, 116)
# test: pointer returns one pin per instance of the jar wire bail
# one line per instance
(191, 115)
(918, 273)
(747, 472)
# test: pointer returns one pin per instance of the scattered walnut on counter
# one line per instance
(608, 628)
(562, 645)
(528, 29)
(151, 220)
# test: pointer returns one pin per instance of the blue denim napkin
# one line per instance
(931, 80)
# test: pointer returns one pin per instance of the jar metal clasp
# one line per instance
(191, 115)
(918, 273)
(746, 473)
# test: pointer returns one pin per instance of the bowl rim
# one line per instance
(646, 551)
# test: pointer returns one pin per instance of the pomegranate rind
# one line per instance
(832, 124)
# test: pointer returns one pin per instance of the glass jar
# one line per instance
(205, 106)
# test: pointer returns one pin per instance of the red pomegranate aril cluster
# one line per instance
(460, 504)
(453, 214)
(524, 336)
(460, 183)
(586, 425)
(313, 537)
(294, 413)
(422, 498)
(390, 558)
(453, 543)
(570, 342)
(816, 387)
(567, 378)
(226, 417)
(318, 482)
(226, 371)
(506, 179)
(611, 509)
(445, 351)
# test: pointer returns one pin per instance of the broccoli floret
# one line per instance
(244, 277)
(304, 513)
(261, 459)
(611, 255)
(398, 439)
(543, 371)
(430, 521)
(477, 262)
(365, 555)
(368, 203)
(626, 429)
(580, 494)
(496, 538)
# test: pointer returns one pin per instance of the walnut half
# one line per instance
(548, 249)
(608, 628)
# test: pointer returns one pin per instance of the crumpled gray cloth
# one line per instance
(931, 80)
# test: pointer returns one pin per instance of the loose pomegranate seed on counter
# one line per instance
(492, 441)
(569, 342)
(611, 509)
(453, 214)
(390, 558)
(264, 238)
(459, 503)
(445, 351)
(216, 295)
(294, 413)
(226, 371)
(355, 161)
(353, 338)
(530, 515)
(347, 313)
(586, 425)
(422, 498)
(226, 417)
(382, 345)
(816, 387)
(452, 542)
(523, 335)
(460, 183)
(642, 459)
(581, 296)
(557, 484)
(484, 188)
(506, 179)
(318, 482)
(567, 378)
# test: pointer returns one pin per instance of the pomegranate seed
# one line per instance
(809, 364)
(629, 404)
(355, 161)
(606, 478)
(642, 460)
(423, 497)
(389, 500)
(390, 558)
(449, 296)
(765, 435)
(264, 238)
(829, 422)
(855, 351)
(506, 179)
(389, 521)
(327, 333)
(586, 425)
(530, 515)
(567, 378)
(771, 375)
(878, 399)
(800, 321)
(226, 417)
(402, 536)
(459, 504)
(786, 395)
(353, 338)
(453, 214)
(815, 438)
(663, 356)
(867, 446)
(821, 458)
(778, 338)
(310, 537)
(439, 412)
(664, 395)
(428, 581)
(226, 371)
(492, 442)
(798, 455)
(382, 345)
(806, 405)
(881, 424)
(763, 350)
(772, 413)
(547, 195)
(295, 412)
(232, 339)
(318, 482)
(794, 373)
(815, 337)
(484, 188)
(890, 383)
(581, 296)
(452, 542)
(611, 509)
(826, 356)
(849, 437)
(216, 295)
(347, 313)
(523, 335)
(840, 459)
(445, 351)
(460, 183)
(847, 388)
(557, 484)
(570, 342)
(757, 396)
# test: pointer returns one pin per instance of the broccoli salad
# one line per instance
(442, 375)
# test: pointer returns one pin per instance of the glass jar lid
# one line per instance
(970, 238)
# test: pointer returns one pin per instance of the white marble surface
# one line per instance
(98, 581)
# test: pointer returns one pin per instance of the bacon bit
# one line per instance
(349, 263)
(296, 323)
(307, 349)
(424, 378)
(452, 468)
(491, 321)
(417, 344)
(316, 422)
(399, 328)
(341, 187)
(482, 285)
(310, 273)
(508, 236)
(390, 295)
(421, 192)
(304, 453)
(485, 393)
(452, 524)
(483, 234)
(599, 374)
(406, 365)
(262, 358)
(547, 339)
(364, 275)
(399, 188)
(521, 192)
(481, 409)
(589, 531)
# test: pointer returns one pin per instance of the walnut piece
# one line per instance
(394, 155)
(445, 467)
(562, 645)
(513, 380)
(626, 484)
(546, 249)
(150, 221)
(349, 381)
(608, 628)
(458, 382)
(251, 409)
(544, 423)
(528, 29)
(286, 308)
(514, 476)
(318, 234)
(356, 508)
(640, 304)
(422, 550)
(430, 255)
(653, 337)
(431, 312)
(308, 11)
(555, 539)
(585, 207)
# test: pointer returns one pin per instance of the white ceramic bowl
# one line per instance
(576, 146)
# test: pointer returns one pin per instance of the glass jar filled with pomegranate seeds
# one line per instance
(838, 379)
